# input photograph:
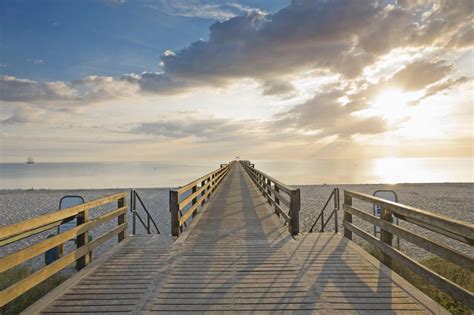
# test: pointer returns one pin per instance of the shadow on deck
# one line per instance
(237, 256)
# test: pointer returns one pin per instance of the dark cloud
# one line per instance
(342, 36)
(278, 87)
(444, 86)
(420, 74)
(306, 34)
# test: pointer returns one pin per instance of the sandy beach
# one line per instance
(450, 199)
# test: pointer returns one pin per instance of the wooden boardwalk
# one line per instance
(237, 255)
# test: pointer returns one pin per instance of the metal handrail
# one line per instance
(334, 195)
(133, 203)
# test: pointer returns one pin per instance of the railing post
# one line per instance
(295, 205)
(133, 209)
(203, 183)
(336, 208)
(121, 219)
(277, 201)
(193, 202)
(174, 209)
(386, 236)
(347, 215)
(148, 223)
(322, 222)
(269, 192)
(82, 239)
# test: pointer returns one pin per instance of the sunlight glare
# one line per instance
(390, 103)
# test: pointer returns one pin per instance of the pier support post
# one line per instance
(347, 216)
(174, 209)
(295, 205)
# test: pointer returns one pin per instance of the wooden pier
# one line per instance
(234, 253)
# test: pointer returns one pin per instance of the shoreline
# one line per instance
(172, 187)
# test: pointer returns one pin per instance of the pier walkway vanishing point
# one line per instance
(236, 255)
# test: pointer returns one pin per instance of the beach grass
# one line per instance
(453, 272)
(19, 304)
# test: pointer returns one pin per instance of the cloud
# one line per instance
(36, 61)
(23, 114)
(339, 37)
(325, 115)
(278, 87)
(204, 130)
(22, 90)
(91, 88)
(215, 10)
(114, 2)
(420, 74)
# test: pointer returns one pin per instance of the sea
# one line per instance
(100, 175)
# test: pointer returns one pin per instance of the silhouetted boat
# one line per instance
(30, 160)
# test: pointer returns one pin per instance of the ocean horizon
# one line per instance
(101, 175)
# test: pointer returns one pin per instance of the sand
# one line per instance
(449, 199)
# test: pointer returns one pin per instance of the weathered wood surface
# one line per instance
(463, 231)
(238, 256)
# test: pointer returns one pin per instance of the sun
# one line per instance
(394, 104)
(391, 104)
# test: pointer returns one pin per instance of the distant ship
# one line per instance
(30, 161)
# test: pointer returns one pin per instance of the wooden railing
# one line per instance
(285, 199)
(81, 255)
(186, 200)
(454, 229)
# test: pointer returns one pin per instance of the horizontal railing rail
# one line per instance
(454, 229)
(81, 255)
(335, 197)
(186, 200)
(150, 222)
(284, 199)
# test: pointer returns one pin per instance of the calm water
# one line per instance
(170, 174)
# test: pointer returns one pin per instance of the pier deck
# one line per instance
(237, 255)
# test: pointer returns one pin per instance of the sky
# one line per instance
(145, 80)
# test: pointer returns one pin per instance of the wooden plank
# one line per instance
(29, 233)
(32, 280)
(39, 248)
(282, 186)
(188, 186)
(427, 244)
(461, 228)
(191, 210)
(34, 223)
(440, 282)
(190, 198)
